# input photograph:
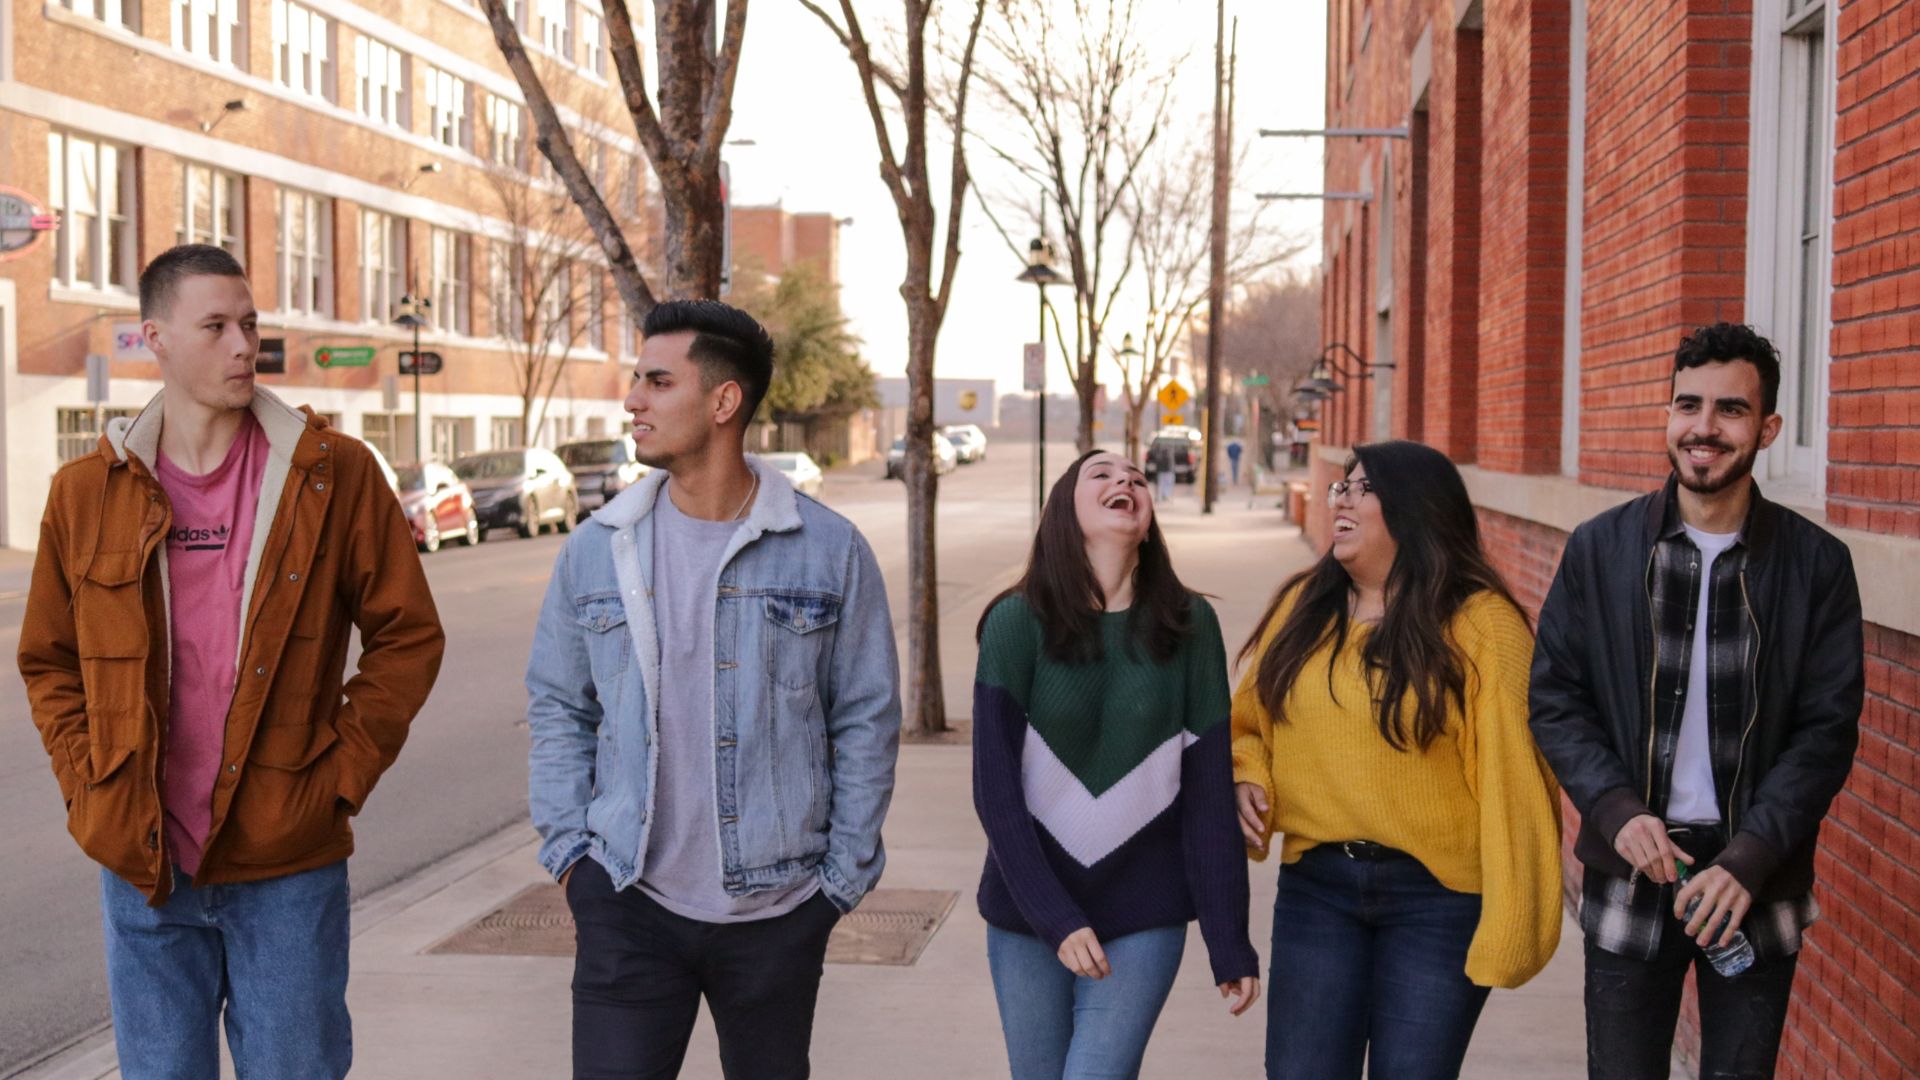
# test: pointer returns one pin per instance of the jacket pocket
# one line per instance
(288, 804)
(115, 815)
(800, 634)
(603, 620)
(110, 632)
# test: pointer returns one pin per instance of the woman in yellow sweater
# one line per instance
(1381, 731)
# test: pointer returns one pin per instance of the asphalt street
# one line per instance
(462, 775)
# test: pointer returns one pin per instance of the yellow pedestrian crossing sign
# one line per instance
(1173, 397)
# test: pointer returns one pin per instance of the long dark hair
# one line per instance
(1060, 587)
(1439, 565)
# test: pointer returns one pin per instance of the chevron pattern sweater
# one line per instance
(1106, 788)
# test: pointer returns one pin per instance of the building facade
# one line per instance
(349, 154)
(1564, 189)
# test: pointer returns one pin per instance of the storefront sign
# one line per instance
(129, 343)
(22, 222)
(272, 359)
(333, 356)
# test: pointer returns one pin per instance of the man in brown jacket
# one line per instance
(184, 645)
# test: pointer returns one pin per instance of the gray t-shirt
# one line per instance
(682, 867)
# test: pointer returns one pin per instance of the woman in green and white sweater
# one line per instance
(1103, 776)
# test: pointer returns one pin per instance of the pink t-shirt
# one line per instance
(206, 572)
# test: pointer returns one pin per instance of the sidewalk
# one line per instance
(423, 1017)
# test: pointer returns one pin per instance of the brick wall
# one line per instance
(1523, 249)
(1874, 407)
(1665, 217)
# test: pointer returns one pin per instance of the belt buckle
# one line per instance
(1348, 847)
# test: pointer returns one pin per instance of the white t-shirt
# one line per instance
(1693, 798)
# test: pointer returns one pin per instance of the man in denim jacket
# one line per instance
(715, 712)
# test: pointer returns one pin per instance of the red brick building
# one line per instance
(347, 153)
(1572, 187)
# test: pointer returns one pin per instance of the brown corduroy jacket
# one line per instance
(331, 551)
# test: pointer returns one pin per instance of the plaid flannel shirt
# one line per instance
(1626, 916)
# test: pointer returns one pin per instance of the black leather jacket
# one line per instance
(1593, 676)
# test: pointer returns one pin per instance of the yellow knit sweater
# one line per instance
(1478, 808)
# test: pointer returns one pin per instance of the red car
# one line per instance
(438, 505)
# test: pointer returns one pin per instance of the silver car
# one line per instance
(800, 470)
(945, 457)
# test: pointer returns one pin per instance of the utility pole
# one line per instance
(1217, 271)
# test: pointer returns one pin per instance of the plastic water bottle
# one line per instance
(1730, 959)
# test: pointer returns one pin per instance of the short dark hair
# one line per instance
(728, 344)
(162, 277)
(1724, 342)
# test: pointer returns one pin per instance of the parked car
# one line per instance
(438, 505)
(945, 458)
(969, 442)
(386, 470)
(801, 471)
(1184, 444)
(602, 468)
(525, 490)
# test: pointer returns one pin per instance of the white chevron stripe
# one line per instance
(1092, 827)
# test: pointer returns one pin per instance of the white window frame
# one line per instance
(306, 273)
(121, 13)
(383, 264)
(381, 71)
(303, 50)
(504, 145)
(382, 432)
(452, 261)
(112, 219)
(504, 433)
(1575, 287)
(447, 120)
(504, 277)
(226, 208)
(214, 30)
(596, 328)
(1790, 187)
(556, 28)
(593, 41)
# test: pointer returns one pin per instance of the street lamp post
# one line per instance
(413, 315)
(1040, 273)
(1126, 353)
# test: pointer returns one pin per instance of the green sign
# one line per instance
(332, 356)
(1255, 380)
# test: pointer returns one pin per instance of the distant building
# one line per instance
(955, 401)
(772, 240)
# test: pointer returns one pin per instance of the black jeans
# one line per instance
(640, 970)
(1633, 1005)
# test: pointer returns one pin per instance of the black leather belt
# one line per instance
(1368, 851)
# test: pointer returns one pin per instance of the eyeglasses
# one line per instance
(1341, 487)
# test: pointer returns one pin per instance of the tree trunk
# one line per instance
(1084, 387)
(926, 703)
(694, 245)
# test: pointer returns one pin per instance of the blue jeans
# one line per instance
(1062, 1026)
(1369, 965)
(272, 954)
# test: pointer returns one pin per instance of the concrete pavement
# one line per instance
(422, 1016)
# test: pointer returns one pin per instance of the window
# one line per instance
(555, 321)
(379, 431)
(597, 312)
(630, 199)
(383, 81)
(503, 292)
(213, 209)
(627, 335)
(1790, 207)
(214, 29)
(556, 28)
(304, 241)
(506, 432)
(452, 437)
(383, 262)
(447, 110)
(122, 13)
(452, 255)
(76, 432)
(302, 50)
(503, 133)
(591, 42)
(90, 184)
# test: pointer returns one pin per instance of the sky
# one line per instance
(813, 150)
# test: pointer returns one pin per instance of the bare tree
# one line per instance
(682, 139)
(1167, 208)
(900, 94)
(541, 273)
(1089, 102)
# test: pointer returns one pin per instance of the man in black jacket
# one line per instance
(1697, 688)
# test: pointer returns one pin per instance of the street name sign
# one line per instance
(428, 362)
(1255, 380)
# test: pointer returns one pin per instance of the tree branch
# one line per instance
(717, 111)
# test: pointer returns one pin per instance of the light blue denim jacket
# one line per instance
(805, 692)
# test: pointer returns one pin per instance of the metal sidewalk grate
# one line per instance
(890, 927)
